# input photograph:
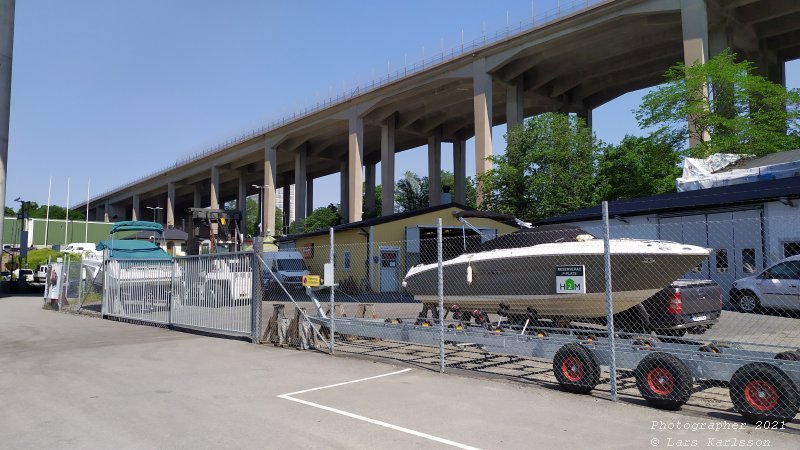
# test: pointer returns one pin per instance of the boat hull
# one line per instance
(521, 281)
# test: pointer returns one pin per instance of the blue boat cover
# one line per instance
(137, 225)
(132, 249)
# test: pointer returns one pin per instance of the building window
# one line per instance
(791, 249)
(722, 260)
(748, 260)
(346, 263)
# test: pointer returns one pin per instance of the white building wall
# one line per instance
(781, 225)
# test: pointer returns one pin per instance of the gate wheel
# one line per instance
(761, 391)
(664, 381)
(576, 369)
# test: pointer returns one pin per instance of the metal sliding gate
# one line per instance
(219, 293)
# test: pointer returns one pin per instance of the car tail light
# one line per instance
(675, 305)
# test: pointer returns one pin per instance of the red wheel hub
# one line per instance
(661, 381)
(761, 395)
(573, 369)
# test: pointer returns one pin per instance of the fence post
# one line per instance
(255, 298)
(609, 303)
(332, 311)
(171, 292)
(80, 286)
(440, 293)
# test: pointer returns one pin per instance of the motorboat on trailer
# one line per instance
(139, 269)
(553, 271)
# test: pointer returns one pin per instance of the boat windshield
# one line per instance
(546, 234)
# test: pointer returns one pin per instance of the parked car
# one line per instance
(26, 274)
(287, 266)
(692, 306)
(40, 275)
(5, 276)
(78, 247)
(777, 286)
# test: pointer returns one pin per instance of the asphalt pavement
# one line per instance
(70, 381)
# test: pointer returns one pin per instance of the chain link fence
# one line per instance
(700, 309)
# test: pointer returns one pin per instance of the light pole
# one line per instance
(262, 194)
(154, 208)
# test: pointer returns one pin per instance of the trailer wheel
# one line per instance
(576, 368)
(761, 391)
(664, 381)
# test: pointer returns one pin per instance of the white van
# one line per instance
(288, 267)
(78, 247)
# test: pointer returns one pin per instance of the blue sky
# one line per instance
(111, 90)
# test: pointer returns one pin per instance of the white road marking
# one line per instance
(367, 419)
(346, 382)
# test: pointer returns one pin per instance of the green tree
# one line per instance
(738, 111)
(638, 167)
(323, 218)
(547, 169)
(36, 211)
(378, 204)
(410, 192)
(10, 212)
(252, 214)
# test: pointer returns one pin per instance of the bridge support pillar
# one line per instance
(515, 102)
(460, 171)
(694, 22)
(586, 115)
(160, 211)
(309, 196)
(369, 194)
(214, 202)
(241, 200)
(354, 168)
(343, 184)
(300, 158)
(268, 196)
(171, 205)
(387, 165)
(287, 203)
(435, 169)
(106, 212)
(136, 209)
(482, 106)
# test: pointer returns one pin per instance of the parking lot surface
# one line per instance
(79, 382)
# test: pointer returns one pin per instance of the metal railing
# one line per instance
(218, 293)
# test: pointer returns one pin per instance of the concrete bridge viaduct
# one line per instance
(572, 64)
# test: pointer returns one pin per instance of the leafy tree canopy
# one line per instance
(638, 167)
(547, 169)
(323, 218)
(735, 110)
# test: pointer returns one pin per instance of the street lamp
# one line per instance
(263, 199)
(154, 208)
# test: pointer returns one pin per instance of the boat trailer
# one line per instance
(763, 384)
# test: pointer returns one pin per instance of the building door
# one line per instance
(390, 269)
(687, 230)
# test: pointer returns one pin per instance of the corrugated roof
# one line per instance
(724, 196)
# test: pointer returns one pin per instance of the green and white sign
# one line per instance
(570, 280)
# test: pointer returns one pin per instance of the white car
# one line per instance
(777, 286)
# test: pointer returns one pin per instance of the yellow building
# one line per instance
(374, 255)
